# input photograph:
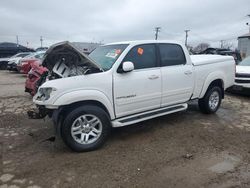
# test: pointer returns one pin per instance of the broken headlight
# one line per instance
(44, 93)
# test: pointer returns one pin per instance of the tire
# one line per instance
(78, 132)
(210, 103)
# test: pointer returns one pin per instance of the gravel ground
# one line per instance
(186, 149)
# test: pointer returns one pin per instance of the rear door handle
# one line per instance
(152, 77)
(188, 72)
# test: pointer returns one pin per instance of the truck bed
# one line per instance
(208, 67)
(198, 60)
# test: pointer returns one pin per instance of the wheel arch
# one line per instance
(214, 79)
(61, 113)
(82, 97)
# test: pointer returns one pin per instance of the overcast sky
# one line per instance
(115, 20)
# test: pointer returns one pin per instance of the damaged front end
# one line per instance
(65, 60)
(62, 60)
(39, 113)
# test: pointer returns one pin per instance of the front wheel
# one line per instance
(86, 128)
(210, 103)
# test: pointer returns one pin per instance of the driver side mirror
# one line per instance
(127, 66)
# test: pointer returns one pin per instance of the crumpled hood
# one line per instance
(242, 69)
(62, 49)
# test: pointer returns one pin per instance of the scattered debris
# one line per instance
(188, 156)
(30, 134)
(50, 139)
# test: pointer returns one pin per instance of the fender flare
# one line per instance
(85, 95)
(218, 75)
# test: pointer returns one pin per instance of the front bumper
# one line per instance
(239, 89)
(39, 113)
(12, 67)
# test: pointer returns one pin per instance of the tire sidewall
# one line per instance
(73, 115)
(208, 94)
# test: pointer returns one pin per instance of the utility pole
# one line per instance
(248, 23)
(157, 30)
(221, 43)
(248, 26)
(41, 40)
(186, 31)
(17, 41)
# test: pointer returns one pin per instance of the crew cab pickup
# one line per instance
(123, 83)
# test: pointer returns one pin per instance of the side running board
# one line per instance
(148, 115)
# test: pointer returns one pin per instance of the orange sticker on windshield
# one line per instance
(118, 51)
(140, 51)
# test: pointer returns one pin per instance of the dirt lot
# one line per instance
(186, 149)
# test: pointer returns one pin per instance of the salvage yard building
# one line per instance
(244, 45)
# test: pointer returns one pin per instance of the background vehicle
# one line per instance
(9, 49)
(222, 51)
(36, 76)
(25, 64)
(14, 60)
(242, 77)
(124, 83)
(42, 49)
(4, 63)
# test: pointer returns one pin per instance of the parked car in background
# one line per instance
(242, 77)
(42, 49)
(25, 64)
(4, 63)
(124, 83)
(36, 76)
(14, 60)
(222, 51)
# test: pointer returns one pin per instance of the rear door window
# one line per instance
(171, 54)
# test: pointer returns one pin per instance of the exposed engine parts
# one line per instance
(64, 60)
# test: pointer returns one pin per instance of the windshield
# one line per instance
(23, 54)
(105, 56)
(245, 62)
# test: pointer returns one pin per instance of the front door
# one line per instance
(138, 90)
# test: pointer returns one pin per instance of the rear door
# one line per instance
(138, 90)
(177, 75)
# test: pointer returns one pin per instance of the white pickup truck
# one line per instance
(124, 83)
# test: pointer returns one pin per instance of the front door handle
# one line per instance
(188, 72)
(152, 77)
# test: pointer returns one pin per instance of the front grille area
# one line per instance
(242, 81)
(242, 75)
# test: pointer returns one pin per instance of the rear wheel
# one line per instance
(210, 103)
(86, 128)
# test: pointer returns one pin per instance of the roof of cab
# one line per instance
(136, 42)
